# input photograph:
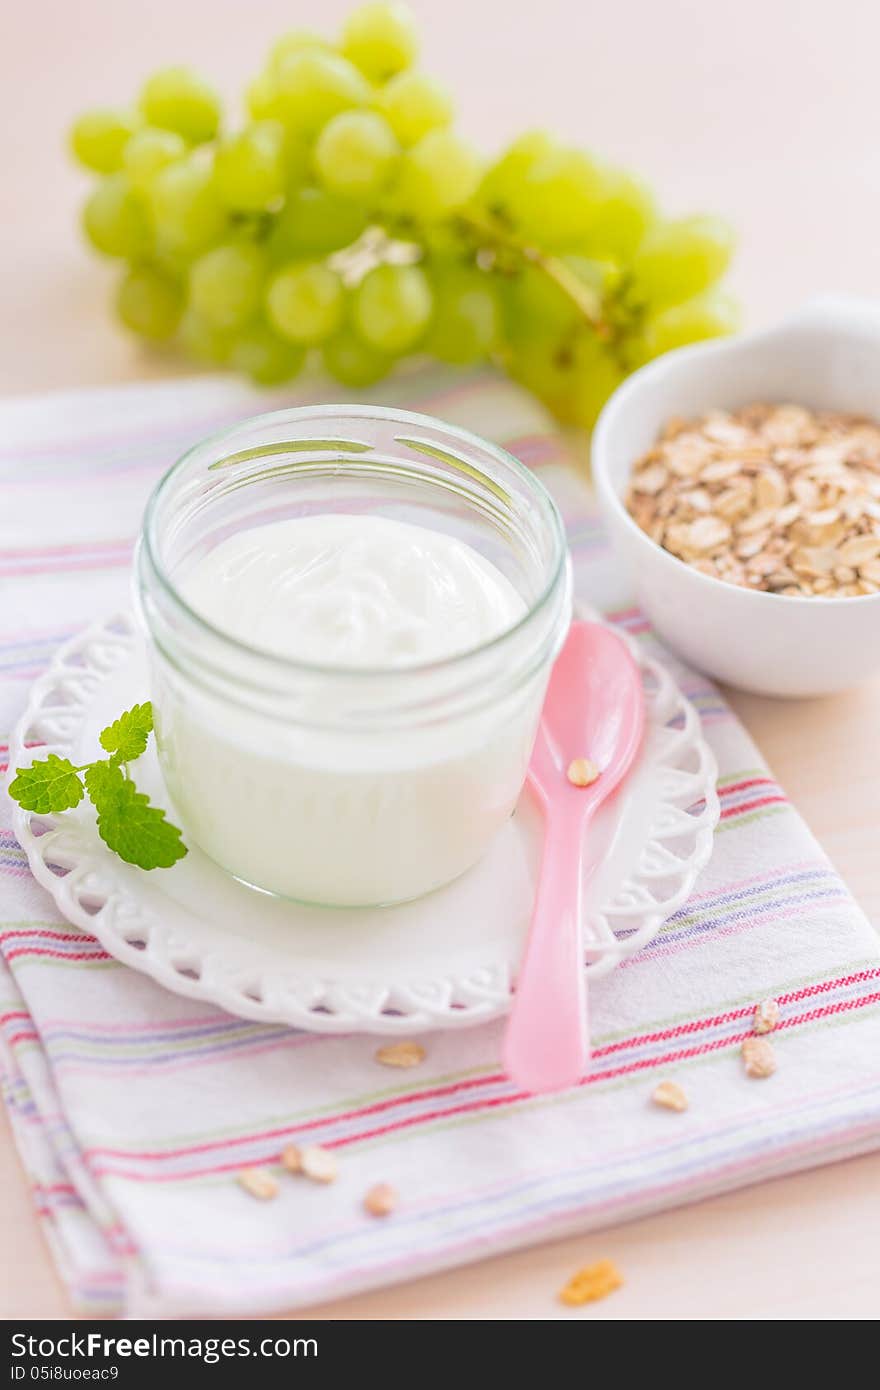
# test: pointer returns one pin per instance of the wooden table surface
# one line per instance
(764, 111)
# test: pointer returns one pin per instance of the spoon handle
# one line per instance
(546, 1046)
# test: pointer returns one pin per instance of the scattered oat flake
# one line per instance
(859, 550)
(720, 471)
(870, 574)
(258, 1183)
(591, 1283)
(786, 515)
(708, 533)
(825, 517)
(380, 1200)
(582, 772)
(759, 1057)
(771, 489)
(651, 480)
(669, 1096)
(291, 1158)
(318, 1164)
(758, 521)
(766, 1016)
(401, 1054)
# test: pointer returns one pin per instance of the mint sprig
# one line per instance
(127, 823)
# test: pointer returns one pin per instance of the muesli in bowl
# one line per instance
(748, 530)
(771, 497)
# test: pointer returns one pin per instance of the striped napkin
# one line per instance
(134, 1109)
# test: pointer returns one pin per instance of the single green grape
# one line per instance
(414, 104)
(680, 259)
(436, 176)
(533, 302)
(148, 152)
(593, 375)
(261, 97)
(449, 240)
(188, 213)
(177, 99)
(353, 362)
(297, 154)
(305, 303)
(573, 374)
(311, 87)
(500, 187)
(171, 262)
(250, 169)
(297, 41)
(115, 219)
(537, 360)
(465, 324)
(356, 155)
(98, 139)
(710, 315)
(380, 39)
(226, 284)
(149, 303)
(202, 342)
(626, 211)
(262, 105)
(264, 357)
(392, 306)
(558, 199)
(314, 222)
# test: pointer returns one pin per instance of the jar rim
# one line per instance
(350, 412)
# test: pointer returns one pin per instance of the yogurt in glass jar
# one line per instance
(351, 616)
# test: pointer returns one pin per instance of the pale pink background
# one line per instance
(767, 110)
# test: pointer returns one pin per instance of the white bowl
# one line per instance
(826, 356)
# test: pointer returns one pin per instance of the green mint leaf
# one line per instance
(126, 738)
(128, 824)
(104, 782)
(50, 784)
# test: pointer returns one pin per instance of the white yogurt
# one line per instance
(338, 590)
(306, 806)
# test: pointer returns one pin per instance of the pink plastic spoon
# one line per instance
(594, 709)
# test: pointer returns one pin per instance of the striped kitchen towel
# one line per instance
(133, 1109)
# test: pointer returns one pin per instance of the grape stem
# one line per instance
(399, 245)
(585, 299)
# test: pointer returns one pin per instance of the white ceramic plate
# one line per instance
(445, 961)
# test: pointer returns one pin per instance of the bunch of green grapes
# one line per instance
(347, 217)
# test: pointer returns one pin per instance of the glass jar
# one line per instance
(334, 785)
